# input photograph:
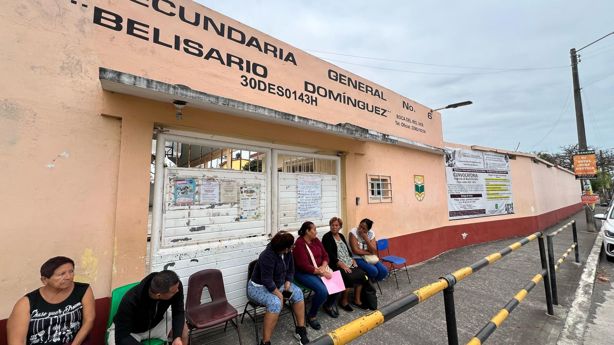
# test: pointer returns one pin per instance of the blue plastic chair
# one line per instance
(392, 260)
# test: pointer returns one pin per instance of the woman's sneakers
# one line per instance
(263, 343)
(300, 333)
(313, 323)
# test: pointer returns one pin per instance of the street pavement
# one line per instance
(477, 299)
(600, 328)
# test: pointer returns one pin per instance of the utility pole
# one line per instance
(585, 183)
(577, 96)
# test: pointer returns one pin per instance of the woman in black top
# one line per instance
(341, 259)
(60, 312)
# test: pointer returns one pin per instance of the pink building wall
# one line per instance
(75, 176)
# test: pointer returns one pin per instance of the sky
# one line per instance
(511, 59)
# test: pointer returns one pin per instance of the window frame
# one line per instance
(377, 193)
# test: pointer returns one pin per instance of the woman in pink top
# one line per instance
(309, 275)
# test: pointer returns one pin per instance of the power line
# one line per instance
(497, 69)
(592, 121)
(433, 73)
(556, 123)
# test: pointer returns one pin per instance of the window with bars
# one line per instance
(208, 157)
(380, 188)
(298, 164)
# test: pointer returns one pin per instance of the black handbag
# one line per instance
(368, 296)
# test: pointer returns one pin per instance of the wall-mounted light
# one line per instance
(178, 108)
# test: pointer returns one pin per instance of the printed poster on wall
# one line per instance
(229, 192)
(184, 191)
(309, 197)
(209, 192)
(249, 202)
(479, 184)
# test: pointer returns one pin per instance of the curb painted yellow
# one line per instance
(474, 341)
(537, 278)
(356, 328)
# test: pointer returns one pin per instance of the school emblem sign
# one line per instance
(419, 186)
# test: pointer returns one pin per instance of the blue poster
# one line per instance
(184, 192)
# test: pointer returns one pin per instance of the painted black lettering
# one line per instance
(269, 48)
(332, 75)
(156, 6)
(192, 47)
(107, 19)
(231, 35)
(145, 4)
(219, 30)
(134, 28)
(234, 60)
(195, 21)
(156, 39)
(254, 42)
(214, 54)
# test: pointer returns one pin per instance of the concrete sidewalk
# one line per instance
(478, 298)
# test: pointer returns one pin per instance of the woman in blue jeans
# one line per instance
(309, 275)
(362, 242)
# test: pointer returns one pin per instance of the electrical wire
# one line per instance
(594, 128)
(428, 73)
(558, 120)
(495, 69)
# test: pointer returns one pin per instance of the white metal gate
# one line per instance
(209, 217)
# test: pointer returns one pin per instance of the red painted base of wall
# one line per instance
(415, 247)
(424, 245)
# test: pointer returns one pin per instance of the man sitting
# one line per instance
(141, 313)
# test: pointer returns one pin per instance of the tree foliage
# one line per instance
(605, 164)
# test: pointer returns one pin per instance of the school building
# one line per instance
(149, 134)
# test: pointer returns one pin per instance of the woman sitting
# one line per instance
(60, 312)
(309, 275)
(362, 242)
(340, 258)
(271, 281)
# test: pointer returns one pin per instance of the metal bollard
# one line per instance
(448, 301)
(552, 270)
(542, 256)
(575, 240)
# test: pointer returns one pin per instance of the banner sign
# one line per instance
(589, 199)
(585, 165)
(479, 184)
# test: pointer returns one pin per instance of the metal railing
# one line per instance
(445, 284)
(498, 319)
(551, 264)
(502, 315)
(364, 324)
